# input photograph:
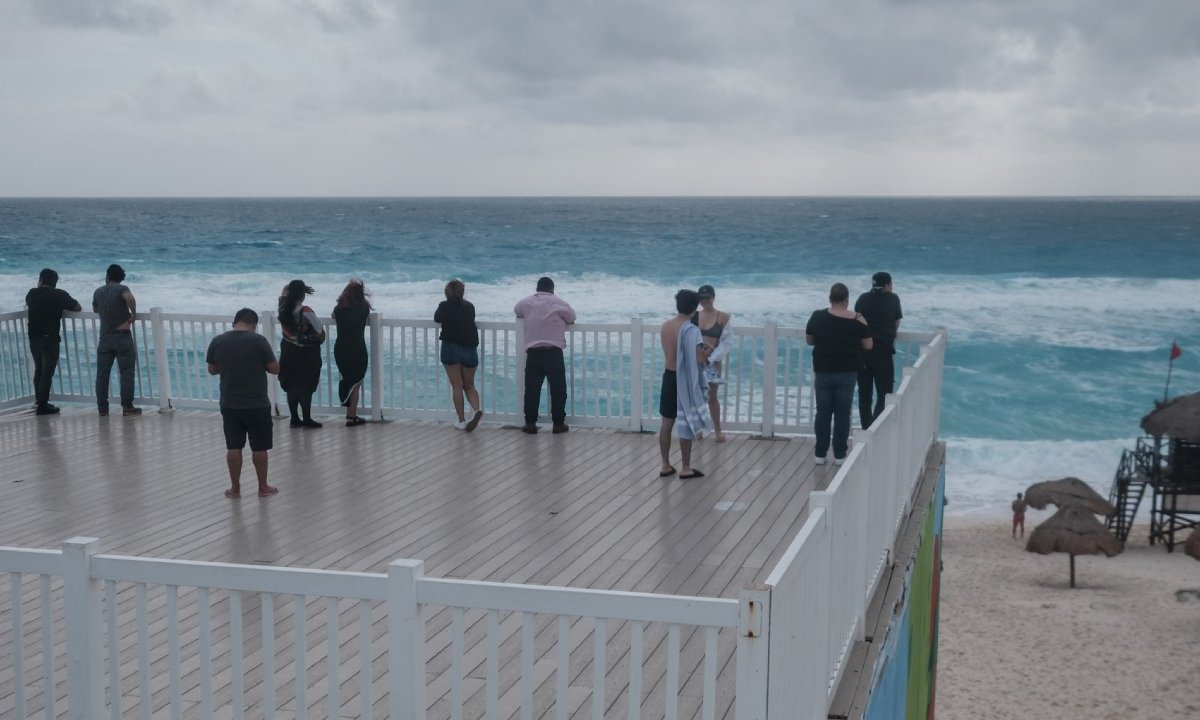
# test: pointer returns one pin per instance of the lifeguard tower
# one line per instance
(1168, 462)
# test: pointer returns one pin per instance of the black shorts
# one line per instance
(668, 399)
(240, 422)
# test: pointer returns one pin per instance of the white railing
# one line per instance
(793, 635)
(340, 643)
(613, 370)
(819, 590)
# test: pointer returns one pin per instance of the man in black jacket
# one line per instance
(46, 304)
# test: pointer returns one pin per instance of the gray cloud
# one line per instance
(123, 15)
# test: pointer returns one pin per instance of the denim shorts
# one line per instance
(457, 354)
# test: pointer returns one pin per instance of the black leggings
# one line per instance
(302, 401)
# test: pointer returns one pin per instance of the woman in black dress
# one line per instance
(838, 337)
(350, 348)
(299, 352)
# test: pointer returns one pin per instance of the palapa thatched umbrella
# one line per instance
(1178, 419)
(1192, 546)
(1065, 492)
(1075, 531)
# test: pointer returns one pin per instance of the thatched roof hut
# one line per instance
(1075, 531)
(1178, 419)
(1066, 492)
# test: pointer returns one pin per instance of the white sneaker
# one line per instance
(839, 461)
(460, 425)
(818, 461)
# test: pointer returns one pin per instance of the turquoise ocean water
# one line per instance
(1060, 312)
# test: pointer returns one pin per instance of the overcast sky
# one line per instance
(599, 97)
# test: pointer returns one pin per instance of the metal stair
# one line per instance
(1129, 485)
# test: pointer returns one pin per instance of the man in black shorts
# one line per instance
(243, 358)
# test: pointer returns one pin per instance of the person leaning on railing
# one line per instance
(460, 352)
(546, 319)
(117, 308)
(46, 304)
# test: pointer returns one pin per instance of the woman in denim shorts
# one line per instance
(460, 352)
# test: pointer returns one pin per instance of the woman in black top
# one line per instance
(299, 352)
(838, 337)
(350, 348)
(460, 355)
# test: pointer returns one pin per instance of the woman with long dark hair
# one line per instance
(460, 355)
(299, 352)
(350, 348)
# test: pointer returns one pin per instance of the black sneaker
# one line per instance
(560, 428)
(311, 424)
(530, 428)
(47, 409)
(131, 410)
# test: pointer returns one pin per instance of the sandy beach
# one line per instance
(1016, 642)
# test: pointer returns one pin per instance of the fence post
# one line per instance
(82, 601)
(753, 643)
(770, 373)
(266, 326)
(158, 332)
(520, 333)
(406, 641)
(635, 374)
(376, 367)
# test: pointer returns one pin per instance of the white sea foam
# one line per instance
(983, 476)
(1109, 314)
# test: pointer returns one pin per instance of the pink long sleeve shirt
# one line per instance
(546, 319)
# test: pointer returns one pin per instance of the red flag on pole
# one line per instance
(1176, 351)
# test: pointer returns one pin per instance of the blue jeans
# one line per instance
(119, 347)
(835, 394)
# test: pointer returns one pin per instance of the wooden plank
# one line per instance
(584, 509)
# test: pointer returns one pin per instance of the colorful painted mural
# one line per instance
(904, 678)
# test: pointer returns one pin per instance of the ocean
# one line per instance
(1060, 312)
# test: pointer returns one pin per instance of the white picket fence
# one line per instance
(96, 618)
(613, 370)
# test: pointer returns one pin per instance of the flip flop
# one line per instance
(232, 495)
(351, 422)
(692, 474)
(269, 493)
(667, 473)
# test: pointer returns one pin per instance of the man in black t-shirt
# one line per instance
(243, 358)
(881, 308)
(46, 304)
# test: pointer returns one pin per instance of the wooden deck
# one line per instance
(585, 509)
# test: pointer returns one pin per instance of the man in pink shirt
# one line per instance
(546, 319)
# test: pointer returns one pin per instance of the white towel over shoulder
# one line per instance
(691, 385)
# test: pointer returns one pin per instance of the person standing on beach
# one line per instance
(683, 385)
(1018, 508)
(881, 307)
(715, 327)
(117, 308)
(546, 319)
(46, 304)
(838, 337)
(299, 353)
(243, 358)
(351, 314)
(460, 352)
